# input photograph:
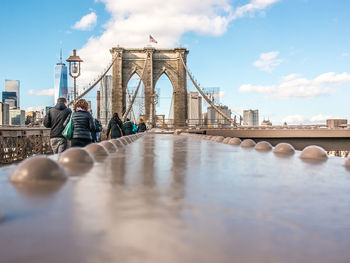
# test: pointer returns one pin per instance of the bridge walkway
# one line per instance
(167, 198)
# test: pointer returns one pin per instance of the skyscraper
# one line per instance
(106, 99)
(215, 118)
(12, 86)
(194, 108)
(251, 117)
(61, 80)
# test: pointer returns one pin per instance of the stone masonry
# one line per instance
(160, 61)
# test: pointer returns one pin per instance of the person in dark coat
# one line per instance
(98, 129)
(142, 126)
(83, 124)
(115, 127)
(128, 127)
(54, 119)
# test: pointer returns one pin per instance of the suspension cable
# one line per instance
(205, 96)
(94, 84)
(136, 91)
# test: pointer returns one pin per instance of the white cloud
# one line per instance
(295, 86)
(301, 119)
(345, 54)
(132, 21)
(252, 7)
(268, 61)
(45, 92)
(87, 22)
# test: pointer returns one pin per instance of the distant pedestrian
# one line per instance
(142, 126)
(96, 135)
(128, 127)
(115, 127)
(54, 119)
(83, 124)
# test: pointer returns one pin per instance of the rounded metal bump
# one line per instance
(219, 138)
(38, 169)
(128, 139)
(117, 143)
(226, 140)
(235, 141)
(314, 152)
(123, 141)
(263, 146)
(213, 138)
(208, 137)
(97, 151)
(76, 160)
(247, 143)
(347, 163)
(109, 146)
(284, 148)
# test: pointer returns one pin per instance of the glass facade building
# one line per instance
(10, 87)
(61, 81)
(10, 98)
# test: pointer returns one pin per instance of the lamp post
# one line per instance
(74, 69)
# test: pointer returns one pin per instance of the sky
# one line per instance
(288, 58)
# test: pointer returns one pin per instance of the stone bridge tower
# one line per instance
(159, 61)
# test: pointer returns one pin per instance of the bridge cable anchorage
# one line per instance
(94, 83)
(205, 96)
(135, 93)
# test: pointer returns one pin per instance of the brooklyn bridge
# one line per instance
(175, 194)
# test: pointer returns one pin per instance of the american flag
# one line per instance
(151, 39)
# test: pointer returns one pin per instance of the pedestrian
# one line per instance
(96, 135)
(128, 127)
(83, 124)
(142, 126)
(54, 119)
(115, 127)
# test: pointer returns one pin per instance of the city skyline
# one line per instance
(289, 59)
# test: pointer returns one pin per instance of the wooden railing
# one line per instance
(18, 143)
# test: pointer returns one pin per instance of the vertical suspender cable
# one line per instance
(136, 91)
(95, 83)
(206, 98)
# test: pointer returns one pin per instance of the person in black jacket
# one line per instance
(83, 124)
(96, 135)
(115, 127)
(142, 126)
(128, 127)
(54, 119)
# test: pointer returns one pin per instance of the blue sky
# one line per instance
(289, 58)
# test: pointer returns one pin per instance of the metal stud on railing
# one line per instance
(314, 152)
(38, 169)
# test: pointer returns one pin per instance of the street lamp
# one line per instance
(74, 69)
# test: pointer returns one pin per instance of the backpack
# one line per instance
(134, 128)
(98, 125)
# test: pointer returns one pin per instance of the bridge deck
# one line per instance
(166, 198)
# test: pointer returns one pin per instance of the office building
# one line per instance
(106, 99)
(10, 98)
(4, 114)
(337, 123)
(251, 117)
(213, 117)
(13, 86)
(61, 80)
(17, 117)
(194, 109)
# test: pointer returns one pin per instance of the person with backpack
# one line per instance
(83, 124)
(128, 127)
(55, 119)
(115, 127)
(142, 126)
(96, 135)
